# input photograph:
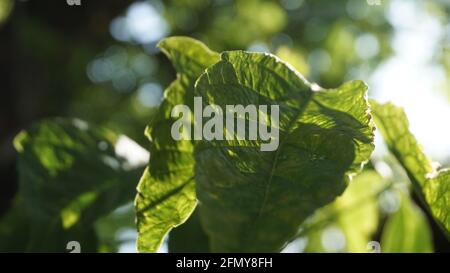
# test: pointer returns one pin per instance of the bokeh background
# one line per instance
(98, 62)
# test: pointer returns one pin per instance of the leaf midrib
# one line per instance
(277, 154)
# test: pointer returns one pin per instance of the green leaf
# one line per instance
(355, 214)
(255, 201)
(166, 192)
(72, 173)
(437, 194)
(431, 185)
(407, 230)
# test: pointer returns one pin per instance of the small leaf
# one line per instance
(431, 185)
(407, 230)
(166, 192)
(253, 200)
(71, 173)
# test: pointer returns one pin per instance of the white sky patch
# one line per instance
(150, 94)
(164, 247)
(333, 240)
(389, 201)
(134, 154)
(142, 23)
(128, 237)
(410, 79)
(383, 169)
(296, 246)
(367, 46)
(258, 47)
(80, 124)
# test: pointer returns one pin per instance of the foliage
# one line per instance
(407, 220)
(253, 200)
(353, 215)
(322, 190)
(227, 174)
(431, 184)
(250, 200)
(166, 192)
(71, 174)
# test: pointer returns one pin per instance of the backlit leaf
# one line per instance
(431, 184)
(166, 192)
(253, 200)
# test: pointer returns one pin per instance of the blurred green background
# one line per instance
(98, 62)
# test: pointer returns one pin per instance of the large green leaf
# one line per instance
(407, 230)
(431, 184)
(253, 200)
(72, 173)
(166, 192)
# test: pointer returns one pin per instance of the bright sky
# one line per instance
(410, 79)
